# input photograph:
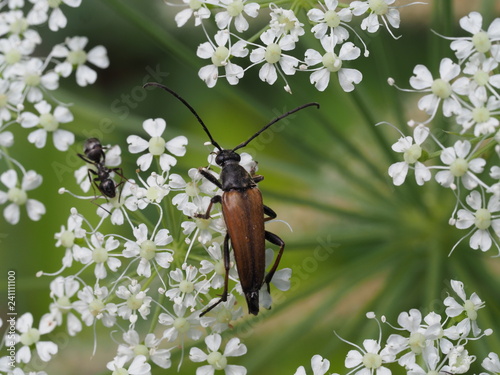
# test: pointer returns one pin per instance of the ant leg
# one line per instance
(223, 297)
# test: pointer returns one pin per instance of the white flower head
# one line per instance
(180, 325)
(29, 336)
(220, 55)
(332, 63)
(132, 345)
(376, 9)
(328, 19)
(18, 196)
(235, 10)
(48, 122)
(484, 220)
(153, 190)
(285, 22)
(480, 80)
(370, 358)
(459, 166)
(92, 305)
(156, 145)
(481, 117)
(469, 306)
(459, 361)
(186, 286)
(272, 57)
(33, 82)
(481, 41)
(62, 290)
(14, 50)
(136, 301)
(189, 196)
(149, 250)
(439, 90)
(73, 50)
(411, 148)
(99, 253)
(217, 359)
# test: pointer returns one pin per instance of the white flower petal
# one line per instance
(63, 139)
(154, 127)
(98, 56)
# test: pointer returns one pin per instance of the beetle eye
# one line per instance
(220, 159)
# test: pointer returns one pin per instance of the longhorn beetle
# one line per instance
(243, 213)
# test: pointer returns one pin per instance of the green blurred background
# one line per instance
(358, 243)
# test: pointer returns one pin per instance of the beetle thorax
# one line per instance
(234, 177)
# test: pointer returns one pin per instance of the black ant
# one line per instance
(94, 154)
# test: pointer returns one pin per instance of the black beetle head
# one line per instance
(225, 156)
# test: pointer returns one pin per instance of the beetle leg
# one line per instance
(257, 178)
(210, 177)
(274, 239)
(215, 199)
(223, 297)
(269, 212)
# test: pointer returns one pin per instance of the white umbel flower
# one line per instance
(73, 50)
(156, 145)
(48, 122)
(217, 360)
(17, 195)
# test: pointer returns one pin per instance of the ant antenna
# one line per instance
(183, 101)
(241, 145)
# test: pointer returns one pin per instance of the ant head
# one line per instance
(93, 149)
(225, 156)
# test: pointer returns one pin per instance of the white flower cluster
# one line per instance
(26, 85)
(423, 345)
(330, 25)
(467, 92)
(158, 271)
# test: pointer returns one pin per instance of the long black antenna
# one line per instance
(183, 101)
(275, 121)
